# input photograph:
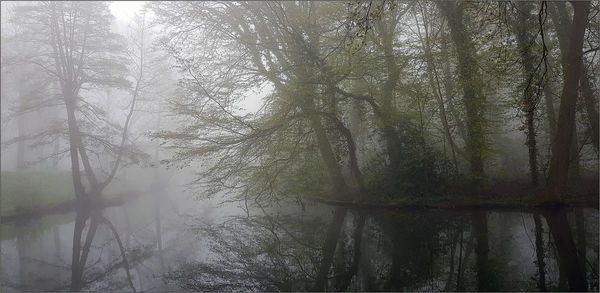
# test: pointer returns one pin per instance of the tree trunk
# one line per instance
(387, 91)
(521, 29)
(562, 23)
(471, 83)
(325, 149)
(559, 164)
(434, 81)
(347, 134)
(73, 150)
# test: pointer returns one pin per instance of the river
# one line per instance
(203, 245)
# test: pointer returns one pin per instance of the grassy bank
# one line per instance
(23, 192)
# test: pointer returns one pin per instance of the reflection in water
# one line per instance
(565, 246)
(80, 253)
(288, 247)
(539, 251)
(382, 251)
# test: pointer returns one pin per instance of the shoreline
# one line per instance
(65, 207)
(474, 204)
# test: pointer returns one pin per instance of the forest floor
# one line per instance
(508, 194)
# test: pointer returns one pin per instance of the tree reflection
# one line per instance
(84, 273)
(339, 249)
(567, 252)
(267, 252)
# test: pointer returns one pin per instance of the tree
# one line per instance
(268, 43)
(81, 53)
(471, 84)
(530, 98)
(562, 22)
(556, 185)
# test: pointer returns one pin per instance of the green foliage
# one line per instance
(422, 172)
(423, 97)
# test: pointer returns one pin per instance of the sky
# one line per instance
(124, 10)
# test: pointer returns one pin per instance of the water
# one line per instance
(293, 246)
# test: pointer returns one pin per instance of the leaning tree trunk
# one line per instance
(556, 185)
(561, 20)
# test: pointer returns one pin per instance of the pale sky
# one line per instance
(124, 10)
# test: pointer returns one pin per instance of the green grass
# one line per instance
(27, 191)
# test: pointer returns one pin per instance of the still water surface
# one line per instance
(197, 245)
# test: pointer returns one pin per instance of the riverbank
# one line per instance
(25, 195)
(466, 204)
(501, 195)
(65, 207)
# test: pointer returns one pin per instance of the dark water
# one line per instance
(200, 245)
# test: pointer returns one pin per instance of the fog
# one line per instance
(299, 146)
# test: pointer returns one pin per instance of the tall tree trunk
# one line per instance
(74, 151)
(562, 23)
(559, 164)
(434, 82)
(325, 149)
(386, 29)
(471, 83)
(524, 41)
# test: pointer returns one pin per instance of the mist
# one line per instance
(299, 146)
